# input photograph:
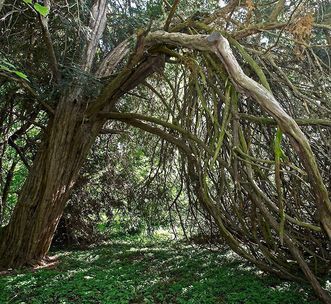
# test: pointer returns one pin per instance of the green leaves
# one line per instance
(21, 75)
(41, 9)
(127, 271)
(10, 68)
(279, 153)
(278, 139)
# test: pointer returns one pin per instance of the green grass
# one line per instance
(153, 272)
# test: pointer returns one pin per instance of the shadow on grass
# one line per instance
(134, 272)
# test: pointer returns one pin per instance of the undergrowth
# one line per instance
(140, 271)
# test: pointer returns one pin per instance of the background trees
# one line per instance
(229, 158)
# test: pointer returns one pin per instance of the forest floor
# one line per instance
(140, 271)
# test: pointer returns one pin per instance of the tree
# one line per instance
(86, 92)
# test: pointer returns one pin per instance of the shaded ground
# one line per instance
(153, 272)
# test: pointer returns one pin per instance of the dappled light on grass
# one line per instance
(133, 271)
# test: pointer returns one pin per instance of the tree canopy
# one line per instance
(210, 117)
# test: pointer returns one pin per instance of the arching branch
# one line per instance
(219, 45)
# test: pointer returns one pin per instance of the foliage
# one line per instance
(135, 270)
(128, 187)
(215, 168)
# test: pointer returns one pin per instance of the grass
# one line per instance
(135, 271)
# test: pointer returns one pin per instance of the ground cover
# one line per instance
(140, 271)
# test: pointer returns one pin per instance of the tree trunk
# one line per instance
(70, 134)
(27, 238)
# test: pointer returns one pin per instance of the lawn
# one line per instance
(140, 271)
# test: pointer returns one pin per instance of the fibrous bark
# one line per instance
(69, 136)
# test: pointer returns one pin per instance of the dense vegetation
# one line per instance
(210, 120)
(137, 270)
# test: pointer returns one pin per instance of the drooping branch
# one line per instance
(200, 187)
(128, 116)
(219, 45)
(272, 122)
(188, 135)
(125, 81)
(288, 125)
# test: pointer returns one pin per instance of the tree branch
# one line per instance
(109, 64)
(219, 45)
(171, 14)
(2, 3)
(272, 122)
(49, 43)
(97, 26)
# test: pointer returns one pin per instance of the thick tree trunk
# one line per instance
(70, 135)
(28, 236)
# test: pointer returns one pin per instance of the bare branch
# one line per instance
(2, 2)
(108, 65)
(97, 26)
(219, 45)
(171, 14)
(273, 122)
(49, 43)
(111, 131)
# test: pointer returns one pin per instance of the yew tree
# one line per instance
(244, 88)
